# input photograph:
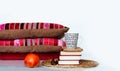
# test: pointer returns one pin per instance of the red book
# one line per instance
(21, 56)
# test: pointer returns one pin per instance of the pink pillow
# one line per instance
(32, 45)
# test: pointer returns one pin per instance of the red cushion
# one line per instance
(33, 42)
(31, 30)
(21, 56)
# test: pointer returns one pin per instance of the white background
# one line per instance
(96, 21)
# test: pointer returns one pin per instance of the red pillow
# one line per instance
(31, 30)
(31, 45)
(21, 56)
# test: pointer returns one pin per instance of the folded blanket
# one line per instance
(41, 45)
(21, 56)
(31, 30)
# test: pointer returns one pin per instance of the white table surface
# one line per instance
(18, 65)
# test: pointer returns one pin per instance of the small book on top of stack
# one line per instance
(70, 56)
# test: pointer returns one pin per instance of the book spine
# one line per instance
(68, 62)
(70, 53)
(69, 57)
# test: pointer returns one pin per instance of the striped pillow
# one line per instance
(30, 30)
(31, 45)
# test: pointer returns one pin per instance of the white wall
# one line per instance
(97, 21)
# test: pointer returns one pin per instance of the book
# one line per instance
(77, 49)
(68, 62)
(70, 53)
(69, 57)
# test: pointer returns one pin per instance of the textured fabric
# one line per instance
(33, 42)
(31, 30)
(21, 56)
(25, 49)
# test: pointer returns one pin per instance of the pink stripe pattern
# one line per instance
(2, 26)
(38, 25)
(33, 42)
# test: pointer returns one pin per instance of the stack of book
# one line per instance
(70, 56)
